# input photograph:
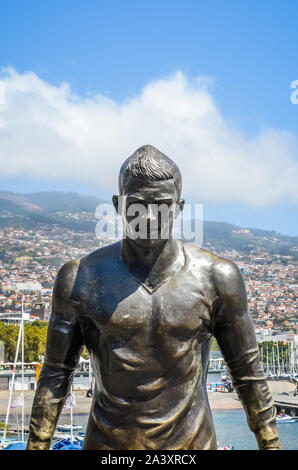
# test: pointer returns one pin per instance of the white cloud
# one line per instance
(47, 131)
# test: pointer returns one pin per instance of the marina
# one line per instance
(20, 379)
(228, 415)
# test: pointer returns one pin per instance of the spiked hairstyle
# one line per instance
(150, 164)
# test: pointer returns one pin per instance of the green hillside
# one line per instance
(77, 212)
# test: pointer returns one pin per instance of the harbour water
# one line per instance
(232, 429)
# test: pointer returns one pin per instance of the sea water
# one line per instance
(232, 429)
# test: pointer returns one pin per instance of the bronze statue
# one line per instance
(147, 311)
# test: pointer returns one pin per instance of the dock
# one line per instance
(18, 430)
(287, 403)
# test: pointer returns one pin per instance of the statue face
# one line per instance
(148, 211)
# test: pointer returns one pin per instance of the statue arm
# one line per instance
(234, 332)
(63, 349)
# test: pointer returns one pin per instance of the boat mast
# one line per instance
(90, 373)
(12, 383)
(23, 404)
(261, 354)
(71, 416)
(292, 360)
(278, 365)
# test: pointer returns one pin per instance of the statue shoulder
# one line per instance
(202, 257)
(65, 279)
(222, 272)
(100, 259)
(73, 276)
(227, 278)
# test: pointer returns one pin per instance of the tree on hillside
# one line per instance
(35, 335)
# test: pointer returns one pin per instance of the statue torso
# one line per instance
(149, 349)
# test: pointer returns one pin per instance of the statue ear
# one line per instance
(179, 207)
(115, 202)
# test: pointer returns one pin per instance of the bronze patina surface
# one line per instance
(147, 311)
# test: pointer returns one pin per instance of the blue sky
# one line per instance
(247, 52)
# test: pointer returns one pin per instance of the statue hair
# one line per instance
(150, 164)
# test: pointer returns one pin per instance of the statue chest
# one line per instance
(124, 311)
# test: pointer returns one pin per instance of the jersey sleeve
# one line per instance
(234, 332)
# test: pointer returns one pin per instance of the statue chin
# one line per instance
(147, 242)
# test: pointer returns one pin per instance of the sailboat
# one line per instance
(278, 362)
(292, 360)
(69, 403)
(285, 418)
(5, 442)
(267, 360)
(70, 442)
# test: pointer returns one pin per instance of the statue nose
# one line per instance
(151, 213)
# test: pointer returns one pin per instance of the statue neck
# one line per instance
(153, 264)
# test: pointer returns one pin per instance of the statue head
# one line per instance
(150, 180)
